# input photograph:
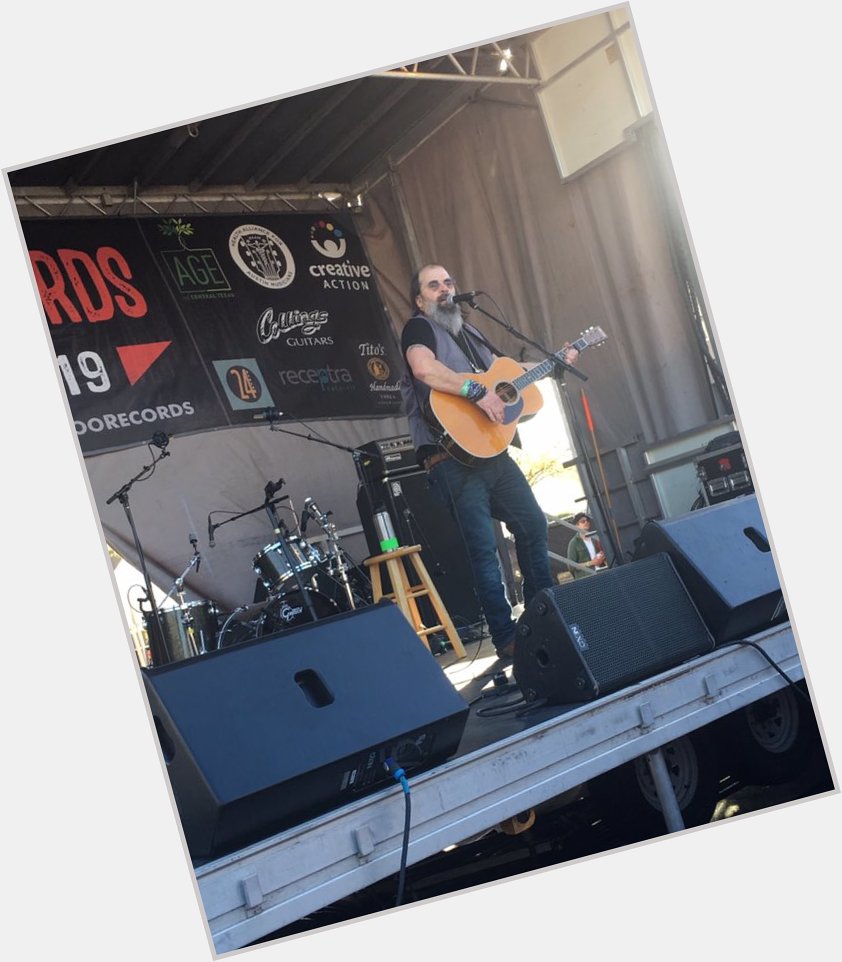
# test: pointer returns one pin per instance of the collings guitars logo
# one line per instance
(195, 271)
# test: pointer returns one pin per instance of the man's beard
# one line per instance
(448, 316)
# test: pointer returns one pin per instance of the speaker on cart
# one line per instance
(419, 519)
(586, 638)
(266, 734)
(723, 556)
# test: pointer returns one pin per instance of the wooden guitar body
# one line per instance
(468, 432)
(469, 436)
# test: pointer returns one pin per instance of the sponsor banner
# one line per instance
(194, 323)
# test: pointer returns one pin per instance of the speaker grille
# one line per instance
(595, 635)
(722, 555)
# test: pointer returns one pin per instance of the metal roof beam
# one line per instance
(459, 78)
(111, 201)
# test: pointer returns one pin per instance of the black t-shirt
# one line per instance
(418, 331)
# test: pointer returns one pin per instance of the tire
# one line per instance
(627, 799)
(771, 741)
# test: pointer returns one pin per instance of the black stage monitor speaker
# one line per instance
(264, 735)
(586, 638)
(723, 556)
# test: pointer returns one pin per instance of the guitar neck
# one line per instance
(545, 367)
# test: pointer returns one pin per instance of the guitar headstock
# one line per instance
(592, 337)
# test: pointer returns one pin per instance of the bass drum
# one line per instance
(291, 609)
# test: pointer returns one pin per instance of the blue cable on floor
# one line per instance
(399, 776)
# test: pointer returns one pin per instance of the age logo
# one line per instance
(195, 271)
(262, 256)
(328, 239)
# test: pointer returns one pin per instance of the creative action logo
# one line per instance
(328, 239)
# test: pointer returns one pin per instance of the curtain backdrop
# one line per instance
(484, 198)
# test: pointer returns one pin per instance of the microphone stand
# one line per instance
(560, 367)
(355, 453)
(557, 361)
(157, 643)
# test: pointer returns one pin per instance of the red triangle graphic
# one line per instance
(138, 358)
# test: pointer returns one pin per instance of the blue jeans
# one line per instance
(495, 489)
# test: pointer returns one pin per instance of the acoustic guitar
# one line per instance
(468, 435)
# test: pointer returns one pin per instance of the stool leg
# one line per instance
(376, 583)
(438, 604)
(397, 574)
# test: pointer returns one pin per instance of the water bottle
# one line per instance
(385, 532)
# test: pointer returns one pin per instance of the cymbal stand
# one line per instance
(186, 617)
(334, 550)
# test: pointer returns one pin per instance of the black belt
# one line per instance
(435, 459)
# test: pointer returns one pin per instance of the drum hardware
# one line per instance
(246, 617)
(189, 628)
(335, 562)
(286, 557)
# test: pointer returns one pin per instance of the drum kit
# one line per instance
(298, 581)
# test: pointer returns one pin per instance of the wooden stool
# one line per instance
(404, 592)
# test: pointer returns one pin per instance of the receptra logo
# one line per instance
(262, 256)
(328, 239)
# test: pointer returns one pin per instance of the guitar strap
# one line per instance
(475, 362)
(466, 348)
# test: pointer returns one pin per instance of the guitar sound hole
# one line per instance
(506, 391)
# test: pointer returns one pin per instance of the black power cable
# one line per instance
(783, 674)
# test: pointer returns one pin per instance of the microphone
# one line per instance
(461, 298)
(305, 514)
(210, 533)
(194, 541)
(267, 414)
(160, 440)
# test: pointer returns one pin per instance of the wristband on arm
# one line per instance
(473, 390)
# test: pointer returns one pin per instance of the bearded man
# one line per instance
(440, 351)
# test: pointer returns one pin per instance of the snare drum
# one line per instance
(280, 561)
(189, 629)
